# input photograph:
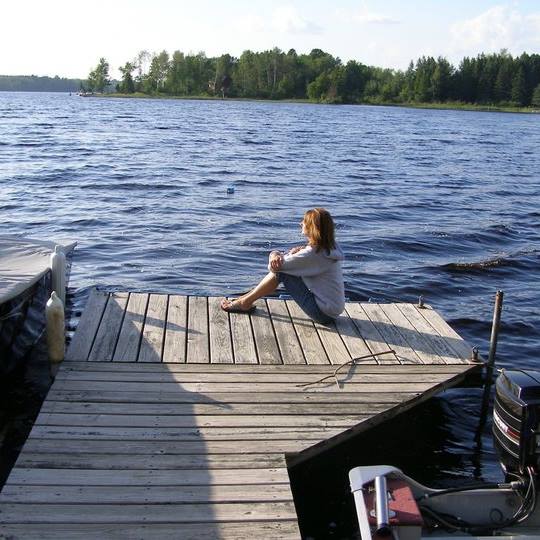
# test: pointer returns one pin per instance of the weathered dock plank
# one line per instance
(154, 329)
(198, 349)
(291, 350)
(146, 477)
(89, 323)
(109, 328)
(366, 367)
(127, 347)
(242, 339)
(62, 494)
(174, 349)
(246, 530)
(144, 513)
(220, 333)
(265, 338)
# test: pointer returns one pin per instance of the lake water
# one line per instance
(444, 204)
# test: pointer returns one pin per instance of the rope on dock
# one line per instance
(352, 362)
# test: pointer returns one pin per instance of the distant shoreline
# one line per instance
(451, 106)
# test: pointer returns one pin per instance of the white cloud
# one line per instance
(249, 23)
(500, 27)
(374, 18)
(365, 15)
(287, 20)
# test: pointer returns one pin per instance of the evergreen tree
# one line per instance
(503, 82)
(407, 89)
(466, 81)
(441, 79)
(535, 101)
(519, 88)
(423, 81)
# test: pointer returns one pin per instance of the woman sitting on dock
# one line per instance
(311, 274)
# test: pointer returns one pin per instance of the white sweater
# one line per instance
(322, 274)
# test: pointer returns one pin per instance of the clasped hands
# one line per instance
(276, 261)
(277, 258)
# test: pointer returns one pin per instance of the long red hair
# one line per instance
(320, 229)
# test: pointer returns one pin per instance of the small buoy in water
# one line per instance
(56, 339)
(58, 273)
(230, 190)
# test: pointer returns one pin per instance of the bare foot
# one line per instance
(236, 305)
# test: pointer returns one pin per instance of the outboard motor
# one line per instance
(516, 422)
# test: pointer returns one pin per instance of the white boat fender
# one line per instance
(56, 339)
(58, 272)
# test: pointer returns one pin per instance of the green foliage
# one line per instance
(159, 68)
(487, 79)
(98, 78)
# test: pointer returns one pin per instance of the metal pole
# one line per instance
(484, 411)
(381, 507)
(495, 328)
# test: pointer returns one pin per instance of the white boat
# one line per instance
(389, 504)
(25, 286)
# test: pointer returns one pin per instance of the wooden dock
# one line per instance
(173, 419)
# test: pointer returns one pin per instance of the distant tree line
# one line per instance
(488, 79)
(32, 83)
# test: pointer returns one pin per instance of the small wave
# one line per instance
(82, 222)
(444, 141)
(351, 160)
(494, 262)
(359, 176)
(223, 172)
(486, 142)
(478, 265)
(29, 144)
(257, 143)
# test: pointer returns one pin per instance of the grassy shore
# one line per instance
(203, 97)
(458, 106)
(453, 105)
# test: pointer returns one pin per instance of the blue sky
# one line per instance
(66, 38)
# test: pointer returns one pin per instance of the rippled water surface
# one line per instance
(444, 204)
